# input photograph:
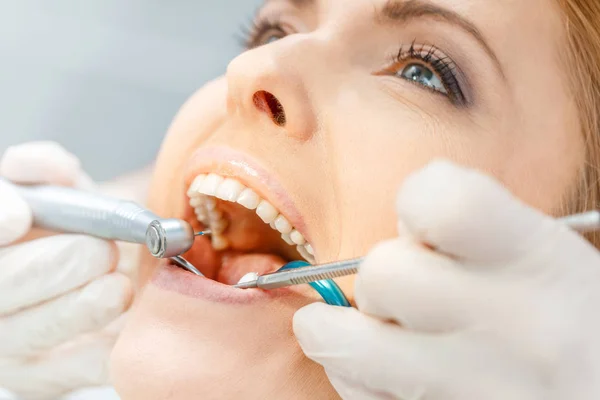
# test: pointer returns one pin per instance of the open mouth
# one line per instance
(249, 233)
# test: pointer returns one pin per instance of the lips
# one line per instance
(227, 162)
(175, 279)
(251, 244)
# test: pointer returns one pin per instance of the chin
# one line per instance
(177, 348)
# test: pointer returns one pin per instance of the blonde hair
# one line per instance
(582, 27)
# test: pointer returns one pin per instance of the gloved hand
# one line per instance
(480, 297)
(59, 293)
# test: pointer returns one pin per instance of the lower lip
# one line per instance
(173, 278)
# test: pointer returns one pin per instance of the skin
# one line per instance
(353, 132)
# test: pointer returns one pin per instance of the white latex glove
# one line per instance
(505, 307)
(57, 293)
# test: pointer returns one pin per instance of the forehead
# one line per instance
(481, 7)
(497, 18)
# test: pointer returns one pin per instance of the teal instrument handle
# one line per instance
(327, 288)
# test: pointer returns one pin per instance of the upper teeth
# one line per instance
(232, 190)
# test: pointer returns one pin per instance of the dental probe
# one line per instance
(582, 223)
(299, 276)
(68, 210)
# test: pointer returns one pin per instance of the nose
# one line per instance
(268, 85)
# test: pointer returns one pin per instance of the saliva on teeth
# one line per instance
(206, 187)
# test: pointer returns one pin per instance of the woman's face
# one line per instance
(323, 118)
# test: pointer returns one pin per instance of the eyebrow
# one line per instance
(403, 10)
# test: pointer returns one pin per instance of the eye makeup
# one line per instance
(426, 66)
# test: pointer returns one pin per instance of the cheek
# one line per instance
(375, 154)
(375, 166)
(197, 119)
(546, 162)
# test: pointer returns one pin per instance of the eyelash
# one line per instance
(442, 65)
(253, 36)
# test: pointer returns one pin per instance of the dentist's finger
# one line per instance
(43, 162)
(15, 215)
(89, 308)
(469, 215)
(45, 268)
(384, 357)
(403, 281)
(360, 348)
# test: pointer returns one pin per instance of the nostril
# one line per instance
(268, 103)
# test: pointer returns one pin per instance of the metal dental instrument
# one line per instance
(300, 275)
(68, 210)
(582, 223)
(185, 264)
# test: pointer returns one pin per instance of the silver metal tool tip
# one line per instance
(248, 281)
(203, 233)
(185, 264)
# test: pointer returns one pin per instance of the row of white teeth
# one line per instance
(207, 187)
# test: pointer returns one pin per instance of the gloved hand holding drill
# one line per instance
(60, 297)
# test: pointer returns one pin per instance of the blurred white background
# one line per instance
(105, 77)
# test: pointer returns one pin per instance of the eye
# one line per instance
(423, 75)
(263, 31)
(429, 68)
(271, 36)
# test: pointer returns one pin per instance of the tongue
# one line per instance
(237, 265)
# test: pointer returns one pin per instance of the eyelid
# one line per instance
(429, 55)
(388, 73)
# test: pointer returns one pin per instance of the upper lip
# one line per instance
(229, 162)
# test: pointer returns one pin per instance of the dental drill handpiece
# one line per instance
(68, 210)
